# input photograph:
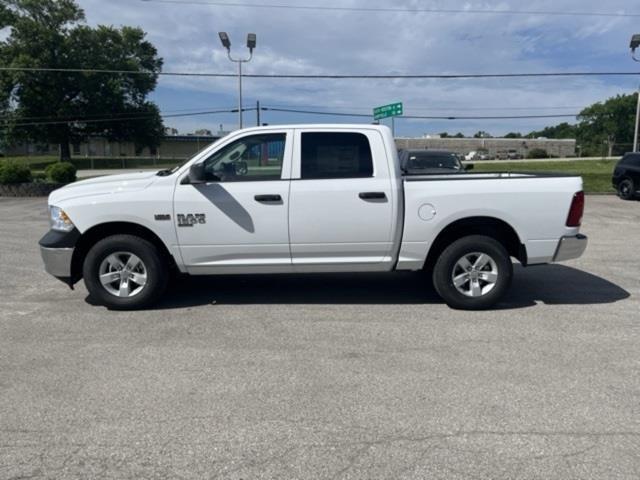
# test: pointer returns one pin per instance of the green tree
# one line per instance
(560, 131)
(513, 135)
(65, 107)
(203, 132)
(482, 134)
(459, 135)
(610, 122)
(444, 135)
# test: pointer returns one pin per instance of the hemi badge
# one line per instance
(162, 217)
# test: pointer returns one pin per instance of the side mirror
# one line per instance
(468, 166)
(197, 174)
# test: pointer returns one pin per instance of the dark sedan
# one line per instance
(420, 162)
(626, 176)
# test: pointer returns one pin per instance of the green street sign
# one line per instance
(391, 110)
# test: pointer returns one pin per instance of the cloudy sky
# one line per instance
(296, 41)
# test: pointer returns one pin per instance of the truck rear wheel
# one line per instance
(125, 272)
(473, 273)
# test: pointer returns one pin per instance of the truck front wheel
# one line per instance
(125, 272)
(473, 273)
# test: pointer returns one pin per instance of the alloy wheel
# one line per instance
(123, 274)
(475, 274)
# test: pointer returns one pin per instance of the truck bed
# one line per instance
(535, 205)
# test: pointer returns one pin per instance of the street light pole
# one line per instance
(635, 43)
(251, 44)
(239, 92)
(635, 135)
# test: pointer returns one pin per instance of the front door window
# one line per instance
(252, 158)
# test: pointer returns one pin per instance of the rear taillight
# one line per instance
(577, 209)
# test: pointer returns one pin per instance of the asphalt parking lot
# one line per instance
(329, 376)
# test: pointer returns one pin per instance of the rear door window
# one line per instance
(326, 155)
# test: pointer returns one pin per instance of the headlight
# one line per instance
(59, 220)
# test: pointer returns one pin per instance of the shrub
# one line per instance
(14, 172)
(538, 153)
(39, 177)
(61, 172)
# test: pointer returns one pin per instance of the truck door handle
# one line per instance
(372, 195)
(268, 198)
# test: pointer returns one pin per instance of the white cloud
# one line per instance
(294, 41)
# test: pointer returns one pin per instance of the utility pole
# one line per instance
(257, 113)
(635, 43)
(251, 44)
(635, 135)
(239, 92)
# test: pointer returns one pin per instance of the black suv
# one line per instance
(626, 176)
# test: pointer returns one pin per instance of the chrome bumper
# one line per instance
(57, 261)
(570, 248)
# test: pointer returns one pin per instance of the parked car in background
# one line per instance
(423, 162)
(626, 176)
(510, 154)
(472, 155)
(478, 155)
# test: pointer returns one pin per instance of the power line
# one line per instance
(465, 108)
(273, 109)
(112, 71)
(470, 11)
(121, 119)
(283, 110)
(327, 76)
(198, 111)
(115, 115)
(129, 117)
(310, 112)
(433, 108)
(423, 117)
(494, 117)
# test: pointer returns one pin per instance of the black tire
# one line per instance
(447, 265)
(153, 263)
(626, 189)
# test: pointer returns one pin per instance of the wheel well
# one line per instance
(489, 226)
(98, 232)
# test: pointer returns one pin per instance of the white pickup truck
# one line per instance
(308, 198)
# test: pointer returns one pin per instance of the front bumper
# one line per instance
(57, 261)
(56, 249)
(570, 248)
